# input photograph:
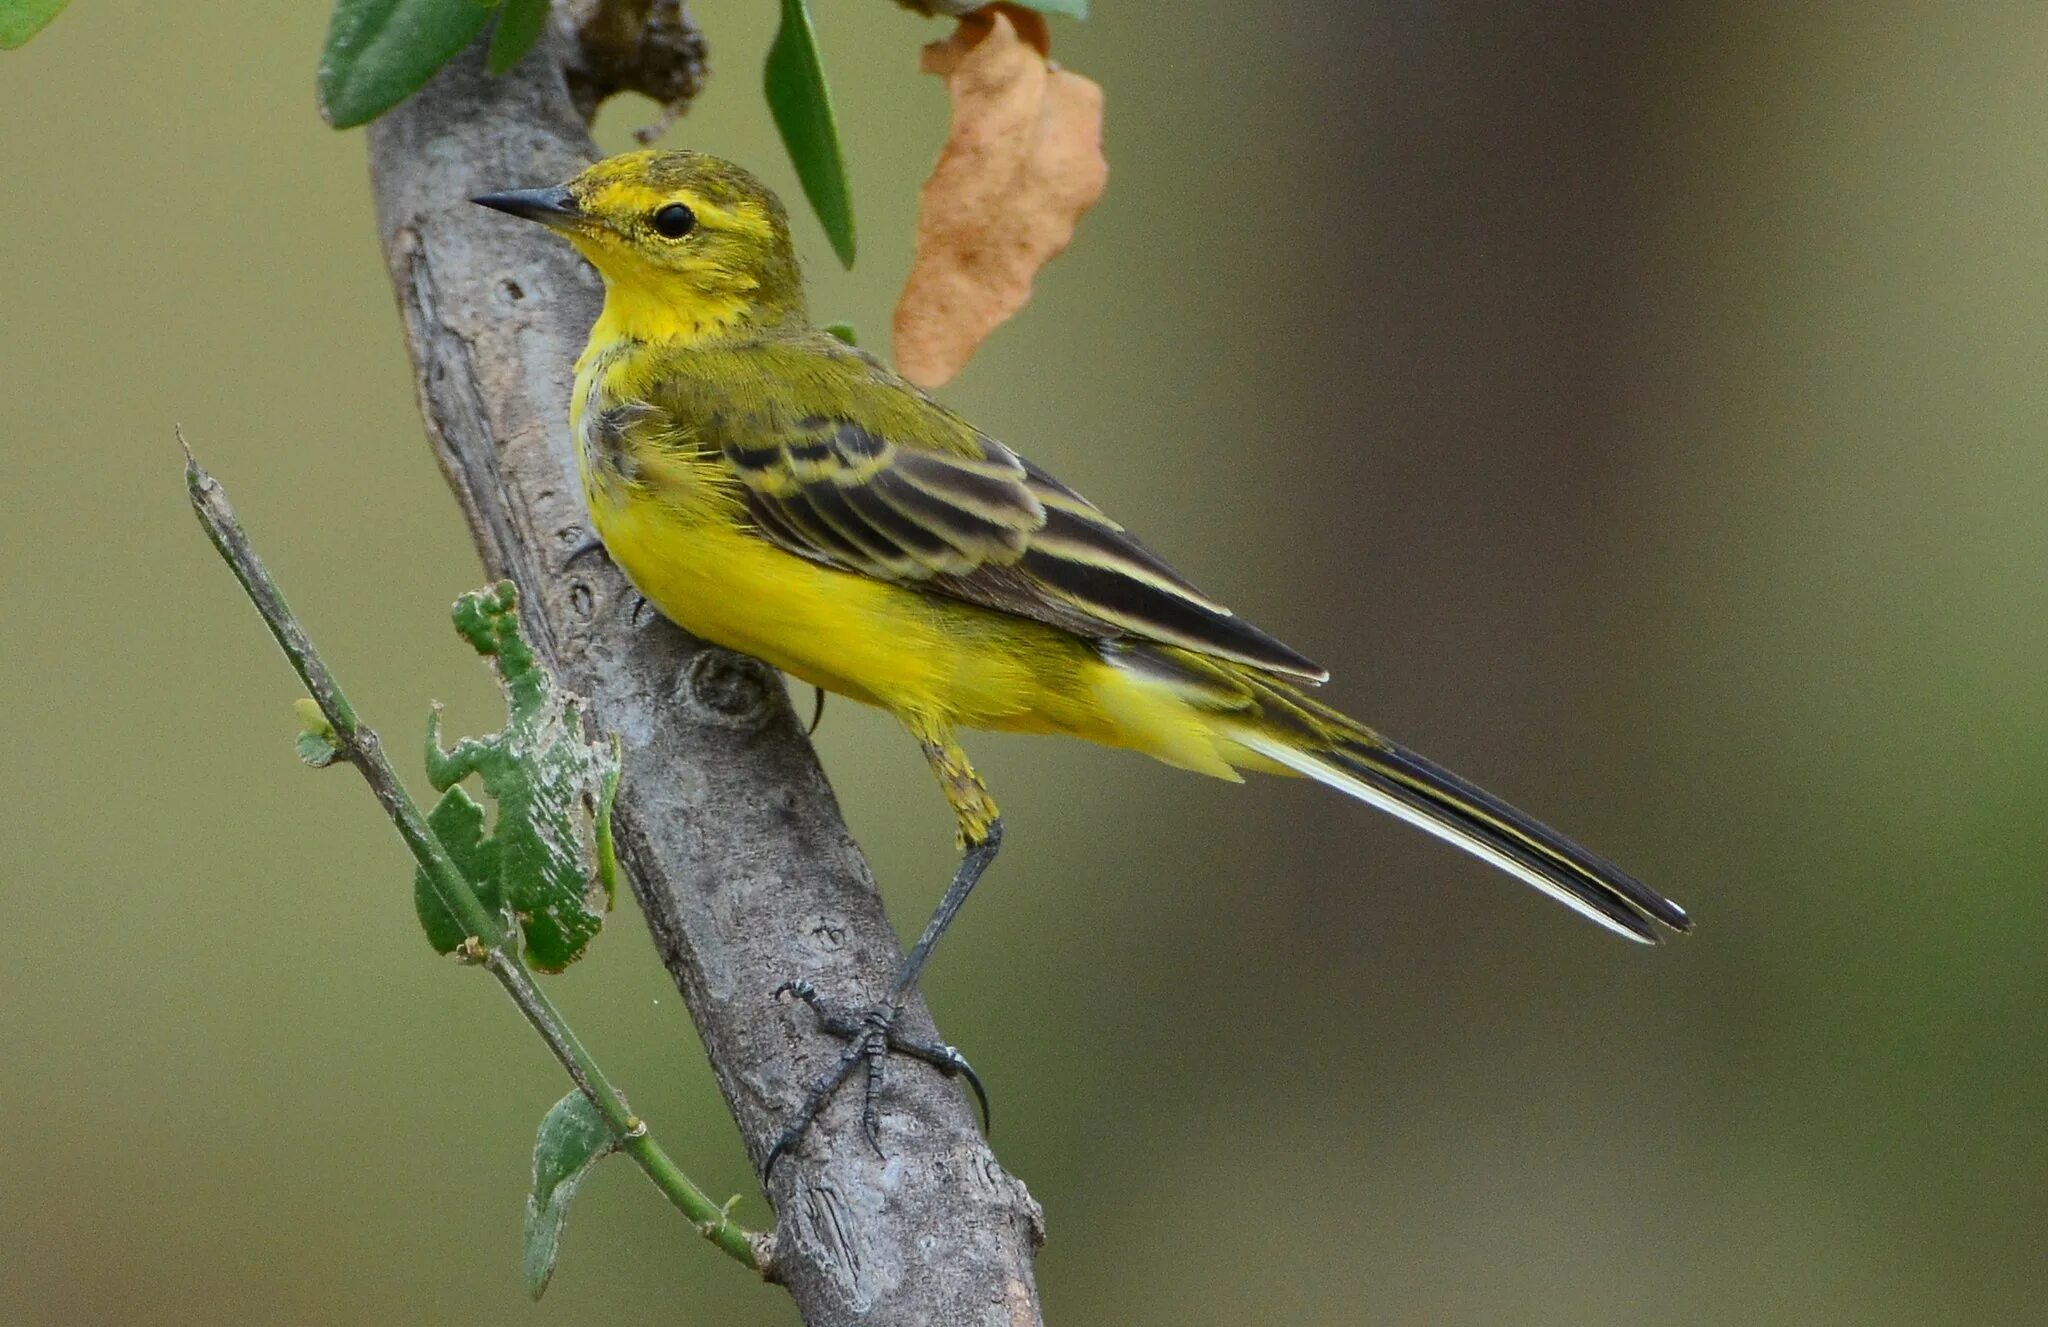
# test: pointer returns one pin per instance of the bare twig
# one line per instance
(728, 830)
(489, 936)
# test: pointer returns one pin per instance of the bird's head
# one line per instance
(679, 235)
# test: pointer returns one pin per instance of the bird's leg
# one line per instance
(870, 1034)
(981, 836)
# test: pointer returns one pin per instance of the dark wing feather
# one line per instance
(843, 463)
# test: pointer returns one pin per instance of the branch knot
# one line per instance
(730, 690)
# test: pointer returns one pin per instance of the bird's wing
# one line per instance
(844, 463)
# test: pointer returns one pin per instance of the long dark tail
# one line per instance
(1273, 723)
(1333, 750)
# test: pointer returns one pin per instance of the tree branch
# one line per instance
(727, 828)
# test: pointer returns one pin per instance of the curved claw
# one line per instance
(966, 1071)
(775, 1154)
(988, 1124)
(952, 1064)
(589, 544)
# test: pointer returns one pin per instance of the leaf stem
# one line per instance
(711, 1220)
(491, 943)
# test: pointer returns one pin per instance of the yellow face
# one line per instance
(680, 226)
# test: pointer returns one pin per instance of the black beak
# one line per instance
(555, 208)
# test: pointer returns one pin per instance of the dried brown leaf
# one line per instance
(1021, 165)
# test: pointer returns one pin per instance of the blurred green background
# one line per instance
(1639, 406)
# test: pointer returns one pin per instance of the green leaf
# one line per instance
(802, 106)
(22, 19)
(607, 797)
(548, 856)
(573, 1138)
(844, 331)
(379, 52)
(519, 26)
(458, 821)
(1071, 8)
(317, 744)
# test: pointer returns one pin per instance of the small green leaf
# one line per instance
(844, 331)
(548, 857)
(607, 797)
(801, 104)
(458, 821)
(1071, 8)
(519, 26)
(317, 744)
(22, 19)
(573, 1138)
(379, 52)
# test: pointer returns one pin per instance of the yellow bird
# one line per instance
(778, 492)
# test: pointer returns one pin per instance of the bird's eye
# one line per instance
(674, 221)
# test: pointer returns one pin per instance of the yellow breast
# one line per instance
(674, 521)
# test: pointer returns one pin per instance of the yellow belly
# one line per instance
(678, 530)
(925, 657)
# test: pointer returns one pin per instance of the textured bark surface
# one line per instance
(727, 827)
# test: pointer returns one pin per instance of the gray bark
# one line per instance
(728, 829)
